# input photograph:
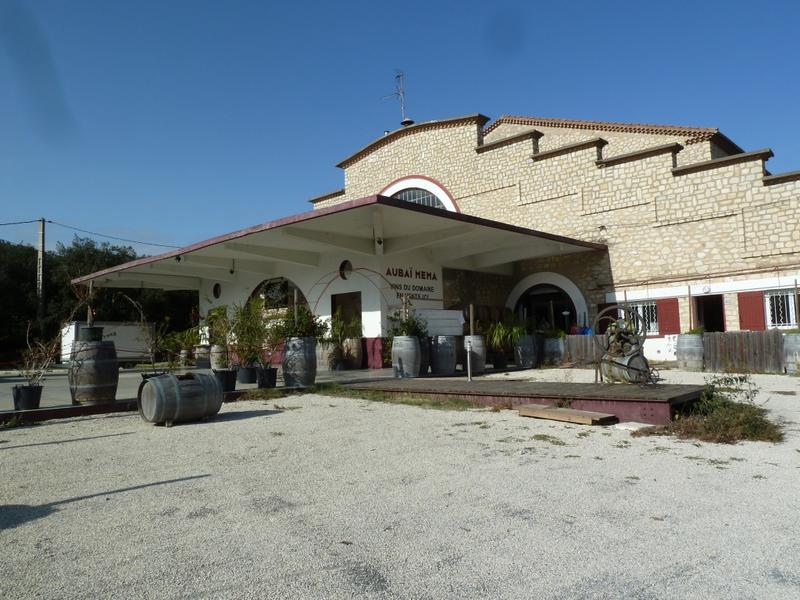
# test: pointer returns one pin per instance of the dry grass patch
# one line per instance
(725, 414)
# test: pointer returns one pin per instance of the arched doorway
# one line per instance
(548, 307)
(279, 292)
(549, 300)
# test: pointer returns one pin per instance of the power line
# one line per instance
(110, 237)
(20, 222)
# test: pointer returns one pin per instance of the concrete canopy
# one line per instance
(375, 226)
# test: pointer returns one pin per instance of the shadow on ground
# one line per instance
(14, 515)
(239, 415)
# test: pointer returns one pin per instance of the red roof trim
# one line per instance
(676, 130)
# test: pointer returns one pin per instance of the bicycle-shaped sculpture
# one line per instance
(622, 346)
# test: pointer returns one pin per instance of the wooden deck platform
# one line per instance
(654, 404)
(66, 412)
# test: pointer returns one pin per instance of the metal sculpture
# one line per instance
(622, 346)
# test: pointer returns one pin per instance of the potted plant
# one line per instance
(554, 346)
(407, 334)
(36, 362)
(353, 352)
(499, 339)
(342, 349)
(267, 375)
(219, 332)
(247, 337)
(301, 330)
(525, 344)
(185, 341)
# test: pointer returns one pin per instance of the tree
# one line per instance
(83, 256)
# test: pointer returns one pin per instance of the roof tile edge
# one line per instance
(478, 118)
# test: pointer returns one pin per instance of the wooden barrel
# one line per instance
(353, 352)
(791, 352)
(553, 350)
(443, 355)
(424, 356)
(628, 369)
(218, 357)
(93, 372)
(689, 352)
(478, 355)
(299, 362)
(169, 399)
(202, 356)
(525, 352)
(326, 356)
(406, 356)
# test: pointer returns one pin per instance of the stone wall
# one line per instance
(661, 227)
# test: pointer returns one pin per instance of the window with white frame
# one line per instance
(419, 196)
(648, 314)
(780, 309)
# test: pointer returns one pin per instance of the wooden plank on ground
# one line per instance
(570, 415)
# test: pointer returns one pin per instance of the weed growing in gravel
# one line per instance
(583, 434)
(509, 439)
(550, 439)
(724, 414)
(266, 394)
(622, 444)
(12, 422)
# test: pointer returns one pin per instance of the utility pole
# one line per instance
(40, 277)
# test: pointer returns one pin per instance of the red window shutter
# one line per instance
(669, 319)
(751, 311)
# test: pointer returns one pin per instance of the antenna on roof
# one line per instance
(400, 93)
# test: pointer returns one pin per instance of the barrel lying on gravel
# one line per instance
(169, 399)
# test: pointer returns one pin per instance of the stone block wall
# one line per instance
(661, 227)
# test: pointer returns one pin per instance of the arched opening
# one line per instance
(547, 307)
(278, 293)
(421, 190)
(532, 296)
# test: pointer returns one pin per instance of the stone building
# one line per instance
(699, 233)
(551, 219)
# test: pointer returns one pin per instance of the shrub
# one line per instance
(724, 414)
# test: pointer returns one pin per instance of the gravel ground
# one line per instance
(317, 497)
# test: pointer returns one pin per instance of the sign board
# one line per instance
(442, 322)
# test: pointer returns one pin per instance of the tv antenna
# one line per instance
(400, 94)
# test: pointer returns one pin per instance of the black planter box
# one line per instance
(267, 378)
(26, 397)
(227, 379)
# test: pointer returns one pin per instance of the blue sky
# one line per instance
(173, 121)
